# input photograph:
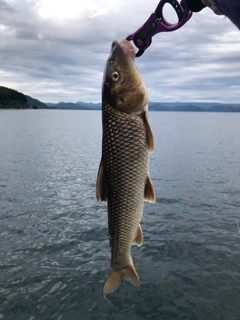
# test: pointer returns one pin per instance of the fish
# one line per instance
(123, 179)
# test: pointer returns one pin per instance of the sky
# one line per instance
(56, 50)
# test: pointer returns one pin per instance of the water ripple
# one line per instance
(54, 253)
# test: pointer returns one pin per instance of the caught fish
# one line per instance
(123, 176)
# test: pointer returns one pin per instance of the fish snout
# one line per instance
(125, 46)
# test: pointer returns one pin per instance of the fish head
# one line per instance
(123, 87)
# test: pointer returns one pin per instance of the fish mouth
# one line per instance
(126, 46)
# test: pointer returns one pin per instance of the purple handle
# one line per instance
(156, 23)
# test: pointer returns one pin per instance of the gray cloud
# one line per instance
(62, 59)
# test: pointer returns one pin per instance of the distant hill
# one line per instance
(35, 104)
(157, 106)
(224, 108)
(194, 107)
(202, 105)
(92, 106)
(77, 105)
(12, 99)
(188, 107)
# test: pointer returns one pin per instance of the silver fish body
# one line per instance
(123, 178)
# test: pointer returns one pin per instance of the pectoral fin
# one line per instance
(138, 239)
(150, 139)
(101, 186)
(149, 194)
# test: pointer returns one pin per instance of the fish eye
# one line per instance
(115, 76)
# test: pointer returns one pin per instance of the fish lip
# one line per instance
(126, 47)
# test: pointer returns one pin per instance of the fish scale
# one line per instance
(125, 159)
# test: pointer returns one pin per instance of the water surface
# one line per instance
(54, 252)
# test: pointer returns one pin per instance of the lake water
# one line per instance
(54, 250)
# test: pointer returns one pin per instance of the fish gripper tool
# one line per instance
(156, 23)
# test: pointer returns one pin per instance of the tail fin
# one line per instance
(130, 275)
(114, 278)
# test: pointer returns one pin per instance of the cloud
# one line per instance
(56, 51)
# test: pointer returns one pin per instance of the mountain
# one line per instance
(92, 106)
(188, 107)
(193, 107)
(66, 105)
(12, 99)
(77, 105)
(224, 108)
(202, 105)
(157, 106)
(35, 104)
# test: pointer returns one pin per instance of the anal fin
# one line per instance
(101, 185)
(138, 239)
(149, 194)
